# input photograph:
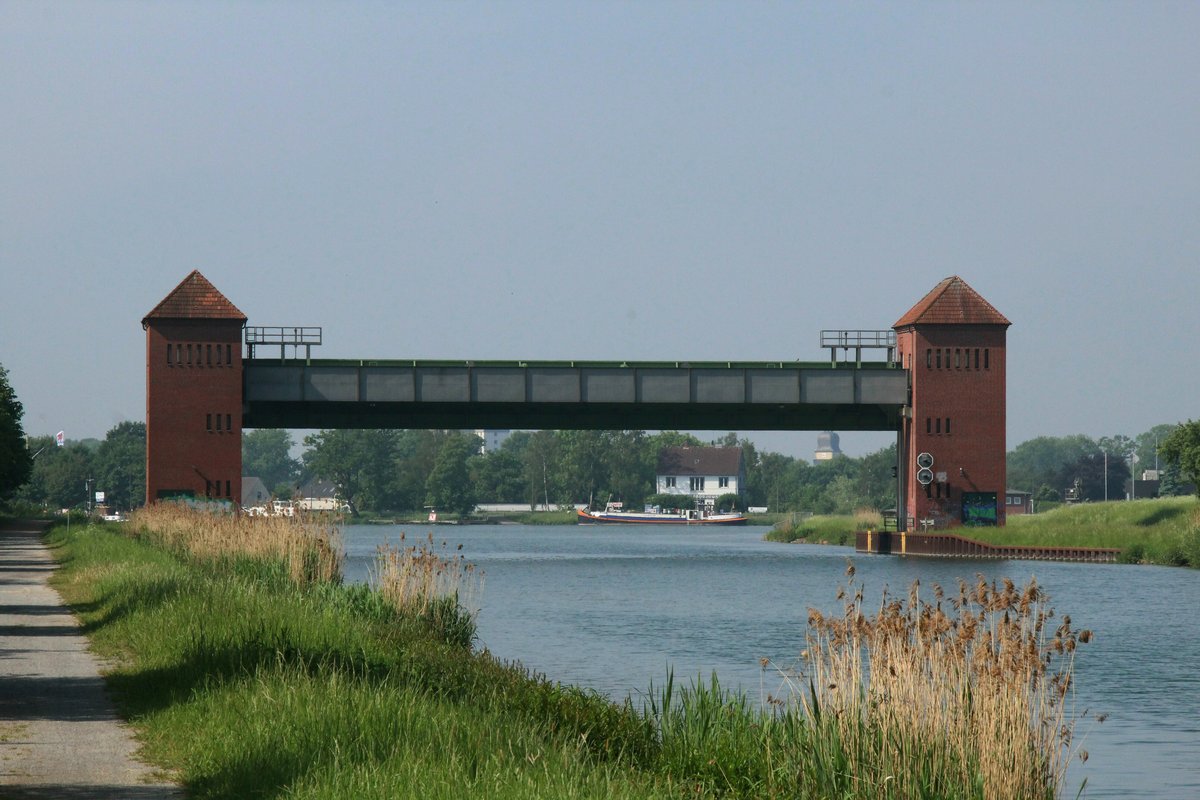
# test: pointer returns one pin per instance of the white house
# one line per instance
(705, 473)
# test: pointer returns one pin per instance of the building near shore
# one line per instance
(704, 473)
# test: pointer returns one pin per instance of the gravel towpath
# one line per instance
(60, 736)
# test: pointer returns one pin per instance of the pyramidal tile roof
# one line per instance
(952, 302)
(195, 298)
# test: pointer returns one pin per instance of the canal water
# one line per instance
(615, 608)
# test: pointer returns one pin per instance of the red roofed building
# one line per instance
(952, 343)
(194, 394)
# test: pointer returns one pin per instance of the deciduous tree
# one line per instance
(16, 463)
(1182, 449)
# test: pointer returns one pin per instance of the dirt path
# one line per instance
(60, 736)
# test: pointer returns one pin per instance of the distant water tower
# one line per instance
(827, 447)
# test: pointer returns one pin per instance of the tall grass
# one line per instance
(309, 550)
(962, 696)
(432, 585)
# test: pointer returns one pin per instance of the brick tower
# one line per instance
(952, 444)
(194, 394)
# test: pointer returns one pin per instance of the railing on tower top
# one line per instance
(283, 337)
(858, 340)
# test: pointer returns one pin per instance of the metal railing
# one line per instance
(858, 340)
(282, 337)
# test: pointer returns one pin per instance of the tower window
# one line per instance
(169, 354)
(189, 354)
(939, 358)
(929, 491)
(229, 422)
(947, 426)
(208, 353)
(976, 358)
(208, 422)
(928, 358)
(937, 425)
(957, 358)
(929, 425)
(985, 358)
(228, 490)
(218, 422)
(228, 351)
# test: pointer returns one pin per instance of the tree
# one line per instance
(357, 462)
(499, 477)
(1181, 449)
(266, 454)
(449, 485)
(16, 463)
(1042, 461)
(120, 465)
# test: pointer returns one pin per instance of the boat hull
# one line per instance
(631, 518)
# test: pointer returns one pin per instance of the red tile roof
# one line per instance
(952, 302)
(699, 460)
(195, 298)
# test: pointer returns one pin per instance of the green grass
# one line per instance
(818, 529)
(1160, 531)
(245, 685)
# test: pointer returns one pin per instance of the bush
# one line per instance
(668, 501)
(729, 502)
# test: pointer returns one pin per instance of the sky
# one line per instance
(607, 180)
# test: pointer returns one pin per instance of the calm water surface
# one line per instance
(614, 608)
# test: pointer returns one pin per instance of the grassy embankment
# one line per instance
(825, 528)
(249, 671)
(1160, 531)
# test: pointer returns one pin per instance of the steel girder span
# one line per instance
(744, 396)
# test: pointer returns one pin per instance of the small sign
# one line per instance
(99, 497)
(60, 438)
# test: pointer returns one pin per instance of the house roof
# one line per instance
(699, 461)
(254, 491)
(952, 302)
(195, 298)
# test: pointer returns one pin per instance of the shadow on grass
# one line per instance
(1162, 515)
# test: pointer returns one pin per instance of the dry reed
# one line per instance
(309, 548)
(413, 577)
(972, 690)
(867, 519)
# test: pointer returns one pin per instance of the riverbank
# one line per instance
(1164, 531)
(253, 677)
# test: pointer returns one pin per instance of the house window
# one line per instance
(696, 484)
(723, 483)
(669, 482)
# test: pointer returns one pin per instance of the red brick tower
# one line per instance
(952, 344)
(194, 394)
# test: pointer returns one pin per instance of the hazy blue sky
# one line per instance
(607, 180)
